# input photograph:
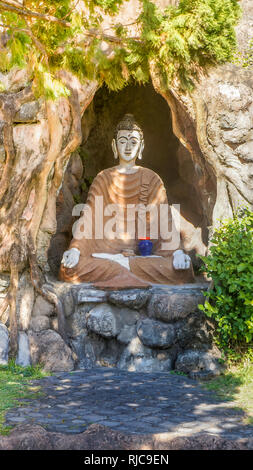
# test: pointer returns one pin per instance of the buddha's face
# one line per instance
(128, 145)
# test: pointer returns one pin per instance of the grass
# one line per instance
(236, 384)
(14, 385)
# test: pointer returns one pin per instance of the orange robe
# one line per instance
(142, 187)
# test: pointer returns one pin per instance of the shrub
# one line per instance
(230, 298)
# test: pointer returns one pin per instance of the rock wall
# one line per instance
(224, 123)
(154, 329)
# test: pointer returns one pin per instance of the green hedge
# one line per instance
(230, 299)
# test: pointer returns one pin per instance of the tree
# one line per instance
(54, 41)
(47, 36)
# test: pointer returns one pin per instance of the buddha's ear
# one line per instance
(114, 149)
(141, 149)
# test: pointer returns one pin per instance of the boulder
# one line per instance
(48, 348)
(91, 295)
(131, 298)
(103, 321)
(174, 304)
(138, 358)
(108, 320)
(155, 334)
(198, 364)
(194, 332)
(23, 357)
(4, 344)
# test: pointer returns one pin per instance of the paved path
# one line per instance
(131, 402)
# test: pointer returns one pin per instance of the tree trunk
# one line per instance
(30, 181)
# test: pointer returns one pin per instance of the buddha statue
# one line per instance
(114, 262)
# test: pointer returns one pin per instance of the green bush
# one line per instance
(230, 299)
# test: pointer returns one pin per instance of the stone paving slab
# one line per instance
(135, 403)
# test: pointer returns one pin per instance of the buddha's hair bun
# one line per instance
(128, 123)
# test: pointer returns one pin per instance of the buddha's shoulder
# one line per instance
(151, 175)
(103, 173)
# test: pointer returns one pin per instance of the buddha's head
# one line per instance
(128, 142)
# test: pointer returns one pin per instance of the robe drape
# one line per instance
(142, 187)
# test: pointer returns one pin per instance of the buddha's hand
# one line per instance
(181, 260)
(70, 258)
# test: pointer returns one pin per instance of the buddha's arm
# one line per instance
(170, 241)
(71, 258)
(169, 236)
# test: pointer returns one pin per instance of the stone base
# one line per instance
(159, 328)
(153, 329)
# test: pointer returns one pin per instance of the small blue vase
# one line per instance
(145, 247)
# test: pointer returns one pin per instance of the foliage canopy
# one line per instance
(179, 41)
(230, 265)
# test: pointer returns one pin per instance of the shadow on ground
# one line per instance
(132, 403)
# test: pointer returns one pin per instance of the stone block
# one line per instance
(174, 304)
(48, 348)
(195, 331)
(108, 320)
(103, 321)
(23, 357)
(90, 295)
(4, 344)
(156, 334)
(197, 361)
(131, 298)
(138, 358)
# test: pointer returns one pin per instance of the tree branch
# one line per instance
(66, 24)
(44, 289)
(10, 152)
(33, 14)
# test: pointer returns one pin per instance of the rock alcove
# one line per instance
(163, 153)
(159, 328)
